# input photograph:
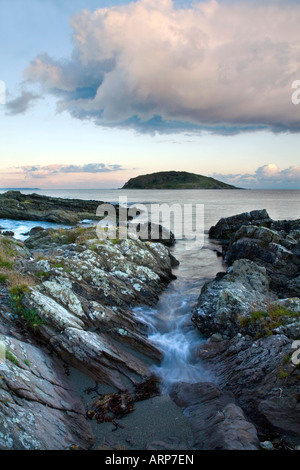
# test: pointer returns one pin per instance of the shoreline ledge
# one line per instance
(37, 207)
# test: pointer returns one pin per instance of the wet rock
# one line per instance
(83, 291)
(258, 297)
(217, 422)
(34, 230)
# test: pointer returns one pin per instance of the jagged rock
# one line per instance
(216, 420)
(278, 253)
(226, 227)
(85, 297)
(262, 377)
(38, 404)
(82, 291)
(254, 299)
(231, 297)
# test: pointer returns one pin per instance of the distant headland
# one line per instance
(175, 180)
(19, 189)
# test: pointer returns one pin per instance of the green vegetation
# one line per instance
(58, 265)
(42, 274)
(282, 374)
(116, 241)
(3, 278)
(29, 315)
(8, 257)
(175, 180)
(26, 362)
(265, 321)
(10, 357)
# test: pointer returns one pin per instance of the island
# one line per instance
(175, 180)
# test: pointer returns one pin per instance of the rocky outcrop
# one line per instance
(277, 251)
(86, 297)
(67, 298)
(227, 226)
(218, 423)
(225, 303)
(19, 206)
(39, 407)
(264, 267)
(252, 315)
(261, 376)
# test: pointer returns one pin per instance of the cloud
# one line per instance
(266, 176)
(57, 169)
(223, 67)
(22, 103)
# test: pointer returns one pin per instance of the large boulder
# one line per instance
(229, 299)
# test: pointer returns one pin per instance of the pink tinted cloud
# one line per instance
(220, 66)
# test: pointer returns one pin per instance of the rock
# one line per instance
(217, 422)
(267, 445)
(154, 233)
(38, 404)
(79, 307)
(226, 227)
(19, 206)
(276, 252)
(8, 233)
(258, 297)
(225, 302)
(262, 378)
(34, 230)
(87, 290)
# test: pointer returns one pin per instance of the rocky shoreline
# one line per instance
(251, 314)
(19, 206)
(67, 299)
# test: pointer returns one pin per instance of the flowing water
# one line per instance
(169, 323)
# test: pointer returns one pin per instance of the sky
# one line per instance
(95, 92)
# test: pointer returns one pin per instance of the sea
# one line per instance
(169, 324)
